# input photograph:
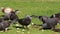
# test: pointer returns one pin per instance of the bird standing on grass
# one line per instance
(4, 25)
(25, 21)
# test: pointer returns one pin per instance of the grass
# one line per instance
(32, 7)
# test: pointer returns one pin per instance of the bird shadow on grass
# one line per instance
(5, 30)
(56, 30)
(45, 29)
(19, 27)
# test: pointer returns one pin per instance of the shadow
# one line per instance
(19, 27)
(56, 30)
(45, 28)
(5, 30)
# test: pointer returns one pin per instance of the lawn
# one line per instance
(32, 7)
